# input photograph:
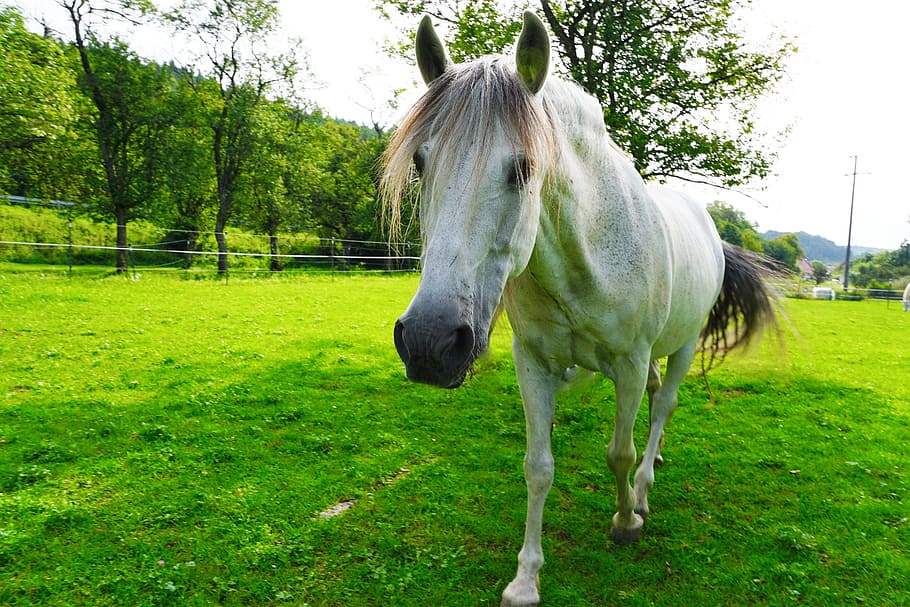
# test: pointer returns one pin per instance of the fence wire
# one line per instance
(331, 260)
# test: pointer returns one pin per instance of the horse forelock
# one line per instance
(462, 110)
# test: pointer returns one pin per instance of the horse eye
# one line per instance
(419, 163)
(520, 173)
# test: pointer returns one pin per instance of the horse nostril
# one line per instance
(457, 347)
(400, 345)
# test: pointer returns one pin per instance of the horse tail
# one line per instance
(745, 307)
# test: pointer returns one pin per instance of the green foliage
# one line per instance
(36, 95)
(477, 27)
(46, 225)
(140, 466)
(242, 70)
(35, 224)
(734, 228)
(785, 250)
(130, 123)
(344, 200)
(41, 138)
(885, 270)
(820, 271)
(667, 74)
(127, 139)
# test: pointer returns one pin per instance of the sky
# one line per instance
(845, 96)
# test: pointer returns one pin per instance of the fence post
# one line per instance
(70, 247)
(129, 257)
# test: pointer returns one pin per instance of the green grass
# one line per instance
(172, 442)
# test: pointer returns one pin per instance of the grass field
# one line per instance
(173, 442)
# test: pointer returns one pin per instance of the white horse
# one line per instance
(525, 201)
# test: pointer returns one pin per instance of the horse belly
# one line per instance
(697, 271)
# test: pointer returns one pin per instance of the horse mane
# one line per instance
(462, 109)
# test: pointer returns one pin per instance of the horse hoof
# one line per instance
(519, 602)
(629, 534)
(658, 461)
(521, 593)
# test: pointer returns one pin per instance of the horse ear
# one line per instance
(532, 53)
(431, 53)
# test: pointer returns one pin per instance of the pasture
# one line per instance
(255, 442)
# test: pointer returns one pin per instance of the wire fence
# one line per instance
(310, 255)
(59, 234)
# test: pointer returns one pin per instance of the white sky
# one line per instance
(845, 96)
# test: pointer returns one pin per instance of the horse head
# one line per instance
(478, 142)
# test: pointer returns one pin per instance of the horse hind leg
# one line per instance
(651, 387)
(662, 403)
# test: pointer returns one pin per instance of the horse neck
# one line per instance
(593, 184)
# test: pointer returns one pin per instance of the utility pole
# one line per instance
(850, 226)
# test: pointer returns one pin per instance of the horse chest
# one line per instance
(576, 324)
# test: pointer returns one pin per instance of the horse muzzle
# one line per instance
(438, 353)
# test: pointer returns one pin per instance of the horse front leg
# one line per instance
(538, 393)
(630, 376)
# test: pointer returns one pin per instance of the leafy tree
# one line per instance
(786, 250)
(264, 187)
(184, 159)
(900, 258)
(240, 70)
(344, 206)
(820, 271)
(677, 80)
(331, 175)
(126, 94)
(45, 149)
(36, 86)
(883, 269)
(734, 228)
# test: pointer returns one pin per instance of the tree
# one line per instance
(344, 204)
(786, 250)
(36, 86)
(677, 80)
(264, 187)
(882, 269)
(184, 161)
(126, 94)
(734, 228)
(41, 137)
(234, 35)
(820, 271)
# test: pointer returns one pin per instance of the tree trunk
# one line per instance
(220, 237)
(275, 262)
(191, 238)
(123, 257)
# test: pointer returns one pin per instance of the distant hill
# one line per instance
(818, 247)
